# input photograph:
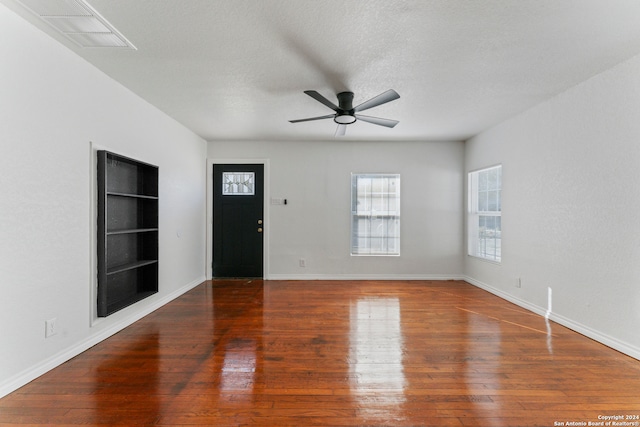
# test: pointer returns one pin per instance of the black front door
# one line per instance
(238, 200)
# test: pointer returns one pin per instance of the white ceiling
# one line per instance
(237, 69)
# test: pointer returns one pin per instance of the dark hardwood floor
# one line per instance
(338, 353)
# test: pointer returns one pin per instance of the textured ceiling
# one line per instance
(237, 69)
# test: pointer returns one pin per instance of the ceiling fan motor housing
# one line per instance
(346, 114)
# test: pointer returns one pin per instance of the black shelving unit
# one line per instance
(127, 231)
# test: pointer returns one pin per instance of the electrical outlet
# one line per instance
(519, 282)
(302, 262)
(50, 327)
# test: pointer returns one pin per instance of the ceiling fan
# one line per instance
(345, 113)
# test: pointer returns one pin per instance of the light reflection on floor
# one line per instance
(549, 336)
(376, 347)
(239, 367)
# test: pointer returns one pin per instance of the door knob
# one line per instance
(259, 221)
(260, 230)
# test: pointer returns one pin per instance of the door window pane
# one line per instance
(238, 183)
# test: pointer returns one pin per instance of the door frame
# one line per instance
(267, 197)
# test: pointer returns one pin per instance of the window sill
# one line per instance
(375, 255)
(490, 261)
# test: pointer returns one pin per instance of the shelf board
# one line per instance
(123, 303)
(131, 231)
(136, 196)
(130, 266)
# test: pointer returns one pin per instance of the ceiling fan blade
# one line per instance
(341, 130)
(377, 120)
(383, 98)
(315, 95)
(328, 116)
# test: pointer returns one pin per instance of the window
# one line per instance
(485, 214)
(375, 214)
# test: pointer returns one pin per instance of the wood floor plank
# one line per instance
(334, 353)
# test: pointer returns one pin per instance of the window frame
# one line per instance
(476, 242)
(388, 216)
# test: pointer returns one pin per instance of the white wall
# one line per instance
(55, 109)
(315, 178)
(571, 168)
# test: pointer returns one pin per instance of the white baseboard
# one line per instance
(595, 335)
(497, 292)
(58, 359)
(587, 331)
(365, 277)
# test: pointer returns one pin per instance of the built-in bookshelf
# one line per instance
(127, 232)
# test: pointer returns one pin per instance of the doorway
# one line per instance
(238, 220)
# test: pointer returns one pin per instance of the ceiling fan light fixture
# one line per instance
(344, 119)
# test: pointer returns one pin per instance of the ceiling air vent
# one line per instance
(79, 22)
